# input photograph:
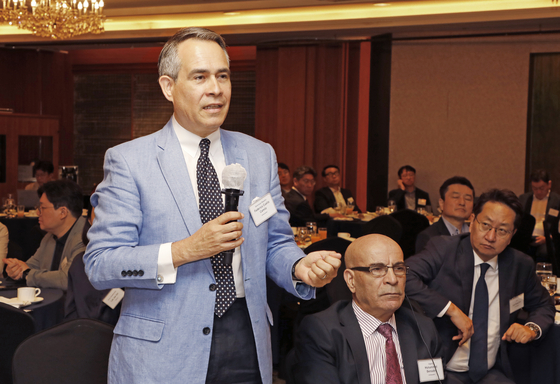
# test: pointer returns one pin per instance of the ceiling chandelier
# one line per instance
(57, 19)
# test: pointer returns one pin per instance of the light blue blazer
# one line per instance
(146, 199)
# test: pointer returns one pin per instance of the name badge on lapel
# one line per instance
(114, 297)
(516, 303)
(430, 370)
(422, 202)
(262, 209)
(553, 212)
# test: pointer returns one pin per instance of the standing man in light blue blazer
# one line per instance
(148, 237)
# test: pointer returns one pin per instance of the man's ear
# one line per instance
(349, 278)
(441, 204)
(64, 212)
(167, 83)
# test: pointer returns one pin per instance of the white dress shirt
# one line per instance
(167, 273)
(538, 211)
(375, 344)
(453, 231)
(460, 360)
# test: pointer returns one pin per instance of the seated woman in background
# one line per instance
(43, 172)
(4, 239)
(82, 299)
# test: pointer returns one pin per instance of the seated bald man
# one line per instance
(374, 338)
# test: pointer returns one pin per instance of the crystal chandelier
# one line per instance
(57, 19)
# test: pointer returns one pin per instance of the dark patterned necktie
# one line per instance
(393, 368)
(211, 206)
(478, 359)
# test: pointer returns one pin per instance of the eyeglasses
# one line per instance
(336, 173)
(308, 181)
(380, 270)
(39, 209)
(485, 227)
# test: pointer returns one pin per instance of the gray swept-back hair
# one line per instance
(169, 62)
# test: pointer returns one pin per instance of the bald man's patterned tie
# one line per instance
(393, 368)
(211, 206)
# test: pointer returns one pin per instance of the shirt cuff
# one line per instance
(166, 272)
(444, 310)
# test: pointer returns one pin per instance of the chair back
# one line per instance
(412, 224)
(384, 225)
(337, 288)
(524, 235)
(17, 326)
(73, 352)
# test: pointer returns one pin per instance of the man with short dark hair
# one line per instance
(332, 195)
(474, 287)
(285, 179)
(456, 205)
(349, 342)
(43, 171)
(543, 205)
(408, 196)
(297, 203)
(60, 215)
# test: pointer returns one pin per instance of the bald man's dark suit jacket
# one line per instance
(436, 229)
(330, 347)
(444, 272)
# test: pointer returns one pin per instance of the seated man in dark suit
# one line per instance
(332, 195)
(456, 205)
(374, 338)
(408, 196)
(543, 205)
(296, 200)
(474, 287)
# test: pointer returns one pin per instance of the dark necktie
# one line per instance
(478, 360)
(211, 206)
(393, 368)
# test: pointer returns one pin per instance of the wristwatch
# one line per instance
(535, 328)
(25, 273)
(294, 278)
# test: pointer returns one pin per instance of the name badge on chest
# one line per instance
(430, 370)
(516, 303)
(262, 209)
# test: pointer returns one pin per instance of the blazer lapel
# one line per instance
(353, 334)
(465, 269)
(172, 164)
(408, 352)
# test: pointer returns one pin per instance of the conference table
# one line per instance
(46, 313)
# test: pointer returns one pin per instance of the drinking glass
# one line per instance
(323, 233)
(392, 206)
(549, 282)
(544, 269)
(379, 210)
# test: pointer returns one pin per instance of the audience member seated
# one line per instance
(4, 240)
(543, 205)
(285, 179)
(456, 204)
(408, 196)
(474, 287)
(82, 299)
(374, 338)
(43, 172)
(296, 200)
(332, 195)
(60, 215)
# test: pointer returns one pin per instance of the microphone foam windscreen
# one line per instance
(233, 176)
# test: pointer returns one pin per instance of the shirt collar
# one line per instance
(369, 323)
(493, 261)
(544, 199)
(190, 141)
(62, 239)
(451, 228)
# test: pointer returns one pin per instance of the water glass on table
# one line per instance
(549, 282)
(392, 206)
(543, 269)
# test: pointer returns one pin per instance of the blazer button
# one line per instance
(140, 273)
(129, 273)
(123, 273)
(135, 273)
(212, 287)
(206, 331)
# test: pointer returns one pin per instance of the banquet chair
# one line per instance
(522, 238)
(412, 224)
(73, 352)
(336, 289)
(384, 225)
(17, 325)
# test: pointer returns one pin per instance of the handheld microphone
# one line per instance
(233, 177)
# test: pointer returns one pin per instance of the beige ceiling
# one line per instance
(268, 21)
